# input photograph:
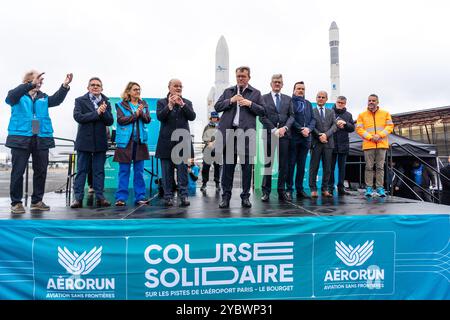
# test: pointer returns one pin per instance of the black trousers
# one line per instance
(298, 151)
(19, 163)
(320, 152)
(341, 159)
(168, 178)
(205, 172)
(282, 149)
(207, 166)
(228, 173)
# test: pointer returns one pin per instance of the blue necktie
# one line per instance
(321, 114)
(277, 101)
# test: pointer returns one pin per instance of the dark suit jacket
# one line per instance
(328, 127)
(91, 135)
(247, 115)
(177, 118)
(274, 119)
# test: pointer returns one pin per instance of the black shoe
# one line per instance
(342, 192)
(203, 187)
(225, 203)
(285, 196)
(185, 202)
(282, 196)
(246, 203)
(76, 204)
(265, 197)
(168, 202)
(302, 195)
(102, 203)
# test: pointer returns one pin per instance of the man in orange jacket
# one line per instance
(374, 125)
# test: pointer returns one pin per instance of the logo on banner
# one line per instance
(76, 286)
(371, 277)
(354, 256)
(81, 264)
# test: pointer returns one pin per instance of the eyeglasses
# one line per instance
(321, 97)
(136, 89)
(95, 85)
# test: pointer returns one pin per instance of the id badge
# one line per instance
(35, 126)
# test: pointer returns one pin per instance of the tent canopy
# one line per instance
(420, 149)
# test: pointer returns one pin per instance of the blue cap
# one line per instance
(214, 114)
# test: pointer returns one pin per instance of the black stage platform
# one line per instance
(205, 205)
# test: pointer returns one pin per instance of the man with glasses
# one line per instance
(345, 125)
(374, 125)
(93, 114)
(322, 145)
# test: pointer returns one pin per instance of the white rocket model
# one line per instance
(334, 56)
(222, 74)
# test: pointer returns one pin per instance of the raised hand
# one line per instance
(68, 79)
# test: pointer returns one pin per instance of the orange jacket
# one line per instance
(371, 123)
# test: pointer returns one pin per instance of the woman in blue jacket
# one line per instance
(131, 138)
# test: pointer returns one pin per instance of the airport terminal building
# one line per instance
(429, 126)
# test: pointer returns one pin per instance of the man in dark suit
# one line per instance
(93, 114)
(240, 105)
(322, 145)
(277, 122)
(174, 112)
(300, 142)
(345, 125)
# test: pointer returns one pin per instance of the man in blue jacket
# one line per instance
(303, 125)
(93, 114)
(30, 132)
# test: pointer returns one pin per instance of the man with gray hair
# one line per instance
(174, 112)
(277, 122)
(345, 125)
(30, 132)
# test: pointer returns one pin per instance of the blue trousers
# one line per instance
(97, 161)
(138, 181)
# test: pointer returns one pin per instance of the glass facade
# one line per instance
(437, 133)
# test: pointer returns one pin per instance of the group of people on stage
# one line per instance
(292, 129)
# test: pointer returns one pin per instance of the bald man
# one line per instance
(174, 112)
(322, 145)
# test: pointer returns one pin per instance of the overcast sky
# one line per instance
(399, 50)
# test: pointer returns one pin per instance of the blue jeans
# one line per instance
(138, 181)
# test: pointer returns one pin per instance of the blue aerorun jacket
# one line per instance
(24, 109)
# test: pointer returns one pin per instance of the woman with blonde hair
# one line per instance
(131, 139)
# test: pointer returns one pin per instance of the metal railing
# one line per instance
(439, 175)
